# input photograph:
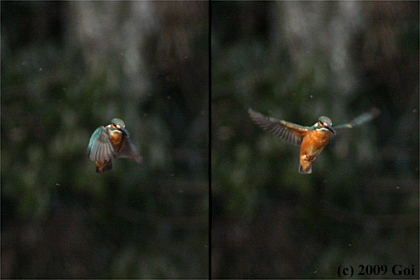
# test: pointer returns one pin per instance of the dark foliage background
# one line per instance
(68, 68)
(296, 61)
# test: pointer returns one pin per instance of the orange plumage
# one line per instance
(111, 142)
(312, 140)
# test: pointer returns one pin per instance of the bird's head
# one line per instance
(325, 123)
(119, 124)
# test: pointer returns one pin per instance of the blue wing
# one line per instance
(129, 150)
(100, 148)
(366, 117)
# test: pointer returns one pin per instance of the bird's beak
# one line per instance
(124, 130)
(329, 127)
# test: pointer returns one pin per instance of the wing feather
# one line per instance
(129, 150)
(289, 132)
(366, 117)
(100, 148)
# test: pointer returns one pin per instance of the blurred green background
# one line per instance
(297, 61)
(68, 68)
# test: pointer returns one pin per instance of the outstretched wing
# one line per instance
(129, 150)
(289, 132)
(100, 148)
(366, 117)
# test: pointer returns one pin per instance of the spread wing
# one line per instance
(366, 117)
(289, 132)
(129, 150)
(100, 148)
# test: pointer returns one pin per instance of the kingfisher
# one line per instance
(312, 139)
(111, 142)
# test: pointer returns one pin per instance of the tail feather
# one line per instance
(107, 167)
(308, 171)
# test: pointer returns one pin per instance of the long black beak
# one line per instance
(124, 130)
(329, 127)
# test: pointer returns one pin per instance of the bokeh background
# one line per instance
(296, 61)
(68, 68)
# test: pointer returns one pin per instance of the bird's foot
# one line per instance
(310, 158)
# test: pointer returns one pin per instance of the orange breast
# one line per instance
(314, 142)
(312, 145)
(117, 138)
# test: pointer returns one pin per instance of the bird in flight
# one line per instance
(312, 139)
(111, 142)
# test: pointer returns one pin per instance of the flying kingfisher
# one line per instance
(312, 140)
(111, 142)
